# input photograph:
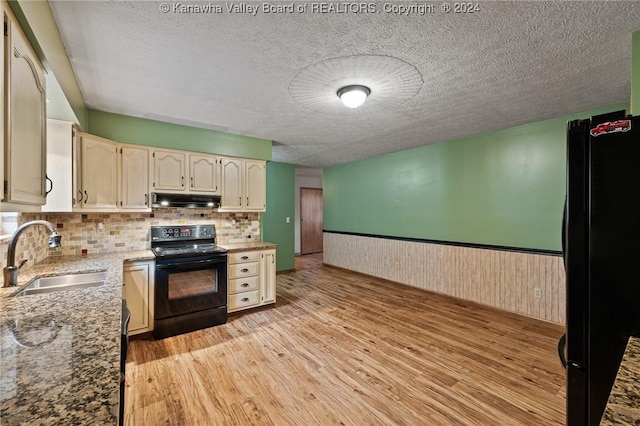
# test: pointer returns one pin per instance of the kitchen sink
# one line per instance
(63, 282)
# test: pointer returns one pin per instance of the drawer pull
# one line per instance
(244, 257)
(244, 270)
(244, 285)
(244, 299)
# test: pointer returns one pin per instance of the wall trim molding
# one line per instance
(451, 243)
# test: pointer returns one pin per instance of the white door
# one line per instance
(168, 171)
(134, 174)
(60, 166)
(137, 292)
(268, 277)
(255, 185)
(26, 122)
(98, 176)
(232, 194)
(204, 173)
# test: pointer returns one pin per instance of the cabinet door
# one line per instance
(138, 292)
(232, 185)
(134, 172)
(98, 173)
(26, 118)
(255, 185)
(204, 173)
(60, 166)
(268, 277)
(168, 171)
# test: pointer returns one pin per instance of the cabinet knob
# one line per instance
(244, 285)
(86, 197)
(244, 270)
(244, 257)
(244, 299)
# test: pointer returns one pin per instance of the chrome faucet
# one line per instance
(11, 270)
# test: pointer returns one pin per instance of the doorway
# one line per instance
(310, 220)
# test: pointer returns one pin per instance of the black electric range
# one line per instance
(190, 279)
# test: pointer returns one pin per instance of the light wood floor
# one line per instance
(340, 348)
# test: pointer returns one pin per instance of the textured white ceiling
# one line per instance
(508, 64)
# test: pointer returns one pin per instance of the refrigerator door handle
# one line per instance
(562, 344)
(564, 234)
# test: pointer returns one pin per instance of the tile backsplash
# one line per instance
(108, 232)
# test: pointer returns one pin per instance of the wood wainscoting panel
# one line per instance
(498, 278)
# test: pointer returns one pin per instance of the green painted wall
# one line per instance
(502, 188)
(141, 131)
(635, 74)
(280, 205)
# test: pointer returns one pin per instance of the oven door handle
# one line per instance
(190, 265)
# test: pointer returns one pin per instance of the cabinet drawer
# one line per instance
(245, 256)
(242, 270)
(243, 284)
(242, 300)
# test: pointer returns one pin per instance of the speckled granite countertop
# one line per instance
(253, 245)
(60, 351)
(623, 407)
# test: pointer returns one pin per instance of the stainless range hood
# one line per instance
(185, 201)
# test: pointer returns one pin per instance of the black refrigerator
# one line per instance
(601, 249)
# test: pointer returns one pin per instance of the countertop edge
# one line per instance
(249, 246)
(623, 406)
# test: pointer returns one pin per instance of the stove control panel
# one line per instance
(183, 232)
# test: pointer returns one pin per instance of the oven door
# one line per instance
(188, 285)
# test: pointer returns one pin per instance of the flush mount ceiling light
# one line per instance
(393, 81)
(354, 95)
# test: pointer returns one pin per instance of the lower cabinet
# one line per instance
(138, 292)
(252, 279)
(268, 277)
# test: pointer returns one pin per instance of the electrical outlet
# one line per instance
(537, 293)
(287, 219)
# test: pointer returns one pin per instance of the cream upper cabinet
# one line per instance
(255, 185)
(134, 178)
(98, 172)
(25, 129)
(243, 185)
(232, 184)
(60, 166)
(268, 277)
(169, 170)
(204, 173)
(138, 291)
